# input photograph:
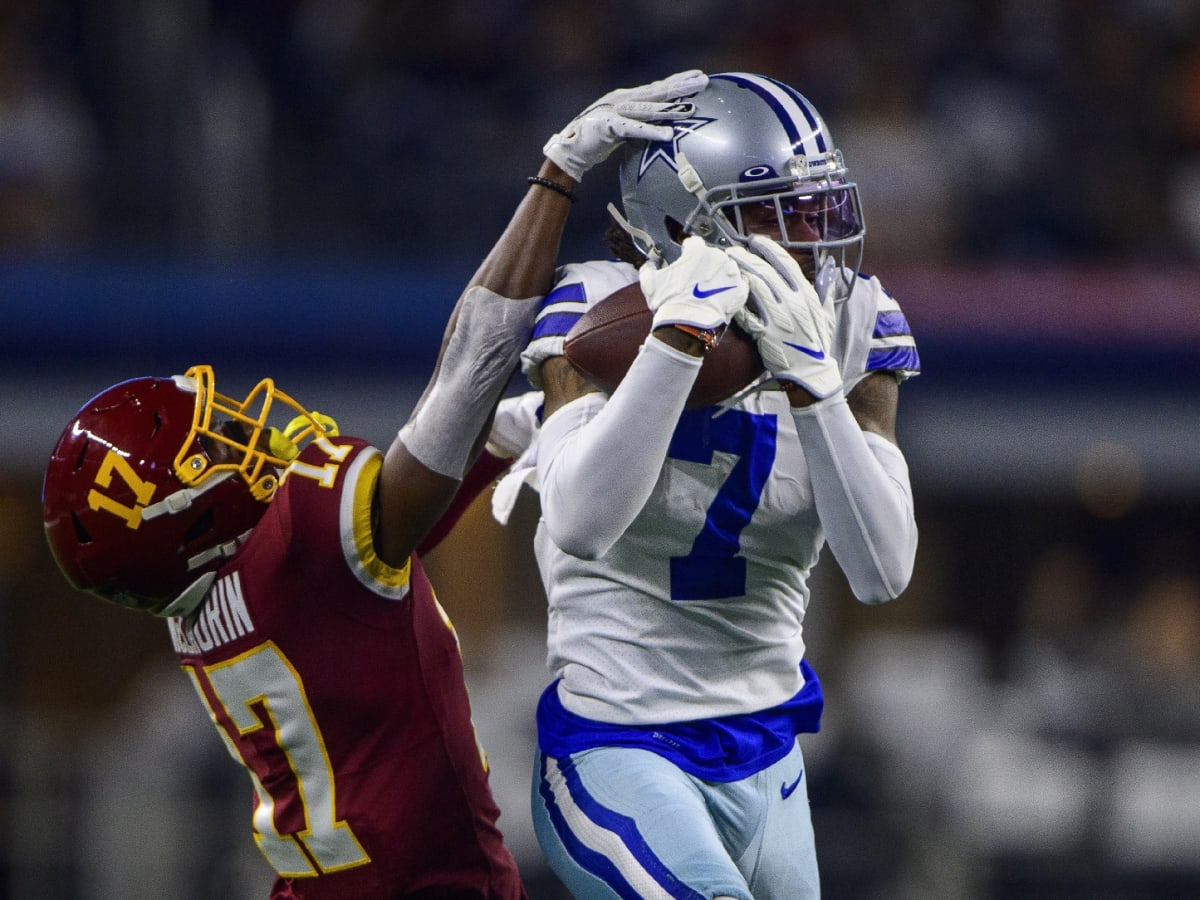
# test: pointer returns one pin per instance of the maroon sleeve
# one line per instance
(487, 469)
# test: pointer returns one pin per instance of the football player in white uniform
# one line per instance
(675, 545)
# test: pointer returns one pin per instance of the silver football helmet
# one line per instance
(754, 157)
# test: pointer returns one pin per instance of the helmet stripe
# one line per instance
(789, 105)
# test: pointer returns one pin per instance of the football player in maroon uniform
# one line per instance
(285, 559)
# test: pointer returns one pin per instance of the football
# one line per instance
(605, 341)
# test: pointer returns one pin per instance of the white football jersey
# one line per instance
(697, 611)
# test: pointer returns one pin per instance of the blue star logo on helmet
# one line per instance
(666, 150)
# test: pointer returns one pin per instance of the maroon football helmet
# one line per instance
(157, 480)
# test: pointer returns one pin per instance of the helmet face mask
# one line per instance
(156, 480)
(752, 145)
(802, 216)
(234, 435)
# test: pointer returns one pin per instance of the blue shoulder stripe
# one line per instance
(891, 323)
(556, 324)
(571, 292)
(561, 309)
(894, 359)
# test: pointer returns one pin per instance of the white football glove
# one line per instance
(791, 325)
(702, 288)
(591, 136)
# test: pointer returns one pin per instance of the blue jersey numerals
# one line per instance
(713, 570)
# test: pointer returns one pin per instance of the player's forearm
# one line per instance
(481, 353)
(522, 262)
(488, 329)
(596, 473)
(863, 496)
(483, 472)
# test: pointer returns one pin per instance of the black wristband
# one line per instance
(552, 185)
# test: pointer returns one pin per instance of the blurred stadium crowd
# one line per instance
(1024, 723)
(980, 130)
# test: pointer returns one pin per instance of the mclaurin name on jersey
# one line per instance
(222, 618)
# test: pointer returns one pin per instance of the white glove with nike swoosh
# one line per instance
(702, 288)
(591, 136)
(792, 327)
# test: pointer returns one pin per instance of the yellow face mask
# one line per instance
(256, 450)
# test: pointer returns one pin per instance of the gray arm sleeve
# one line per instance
(863, 496)
(481, 355)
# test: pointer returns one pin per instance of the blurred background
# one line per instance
(301, 187)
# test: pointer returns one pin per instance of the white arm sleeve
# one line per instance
(863, 496)
(597, 469)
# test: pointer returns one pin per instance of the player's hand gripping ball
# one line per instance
(790, 323)
(605, 341)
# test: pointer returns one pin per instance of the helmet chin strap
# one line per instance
(688, 176)
(826, 275)
(193, 595)
(640, 238)
(220, 551)
(834, 280)
(690, 179)
(711, 224)
(181, 499)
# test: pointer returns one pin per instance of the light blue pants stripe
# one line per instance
(617, 822)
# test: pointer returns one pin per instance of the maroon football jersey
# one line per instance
(336, 681)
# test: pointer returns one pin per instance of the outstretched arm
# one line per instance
(487, 330)
(491, 323)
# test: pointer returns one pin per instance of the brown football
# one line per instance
(604, 342)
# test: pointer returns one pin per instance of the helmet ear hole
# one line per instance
(81, 534)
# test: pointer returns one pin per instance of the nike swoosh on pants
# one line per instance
(786, 790)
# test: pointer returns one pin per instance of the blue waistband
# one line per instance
(723, 749)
